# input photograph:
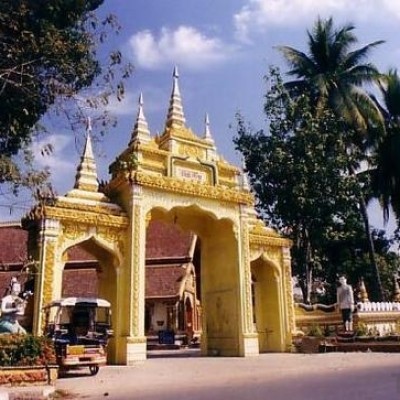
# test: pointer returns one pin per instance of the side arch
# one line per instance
(267, 302)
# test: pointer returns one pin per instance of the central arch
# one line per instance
(219, 274)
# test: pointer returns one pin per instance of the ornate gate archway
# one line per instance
(180, 178)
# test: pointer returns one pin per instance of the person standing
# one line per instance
(345, 302)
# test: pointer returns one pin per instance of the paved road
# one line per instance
(170, 376)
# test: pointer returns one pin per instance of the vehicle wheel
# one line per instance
(94, 369)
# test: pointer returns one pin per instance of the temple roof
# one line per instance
(13, 243)
(164, 280)
(160, 236)
(167, 241)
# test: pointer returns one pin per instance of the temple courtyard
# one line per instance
(173, 375)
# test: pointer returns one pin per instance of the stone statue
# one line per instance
(12, 306)
(345, 302)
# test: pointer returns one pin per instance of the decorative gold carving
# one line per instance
(72, 231)
(100, 208)
(86, 217)
(274, 253)
(287, 272)
(136, 340)
(268, 241)
(148, 219)
(136, 270)
(194, 189)
(182, 133)
(260, 229)
(48, 275)
(191, 151)
(247, 279)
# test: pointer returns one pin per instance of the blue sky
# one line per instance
(223, 49)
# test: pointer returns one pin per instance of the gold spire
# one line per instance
(207, 131)
(175, 112)
(141, 131)
(244, 178)
(362, 292)
(86, 175)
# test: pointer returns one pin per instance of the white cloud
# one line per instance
(258, 15)
(60, 162)
(126, 106)
(185, 46)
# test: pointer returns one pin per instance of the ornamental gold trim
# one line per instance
(181, 133)
(136, 340)
(174, 185)
(86, 217)
(101, 208)
(268, 241)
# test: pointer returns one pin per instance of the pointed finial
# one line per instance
(175, 112)
(88, 125)
(207, 131)
(362, 292)
(245, 180)
(141, 131)
(86, 175)
(175, 74)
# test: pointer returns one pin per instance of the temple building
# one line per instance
(227, 276)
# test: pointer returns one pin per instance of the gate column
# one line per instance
(133, 284)
(45, 282)
(249, 337)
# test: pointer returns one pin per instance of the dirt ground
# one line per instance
(178, 375)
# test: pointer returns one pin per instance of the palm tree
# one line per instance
(334, 76)
(386, 175)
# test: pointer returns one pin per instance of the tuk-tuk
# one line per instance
(80, 329)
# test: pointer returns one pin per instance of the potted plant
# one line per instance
(311, 342)
(362, 332)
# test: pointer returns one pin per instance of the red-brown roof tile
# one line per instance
(13, 244)
(167, 241)
(163, 280)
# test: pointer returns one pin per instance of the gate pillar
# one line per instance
(133, 340)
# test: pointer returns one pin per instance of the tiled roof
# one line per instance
(167, 241)
(163, 280)
(164, 241)
(13, 244)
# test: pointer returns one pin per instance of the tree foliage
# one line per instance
(386, 168)
(334, 75)
(298, 169)
(298, 172)
(48, 62)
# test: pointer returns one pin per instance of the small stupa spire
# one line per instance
(207, 130)
(244, 178)
(141, 131)
(86, 175)
(362, 292)
(175, 112)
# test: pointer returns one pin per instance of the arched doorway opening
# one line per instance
(216, 274)
(90, 270)
(266, 292)
(171, 285)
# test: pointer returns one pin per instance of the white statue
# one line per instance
(345, 302)
(12, 306)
